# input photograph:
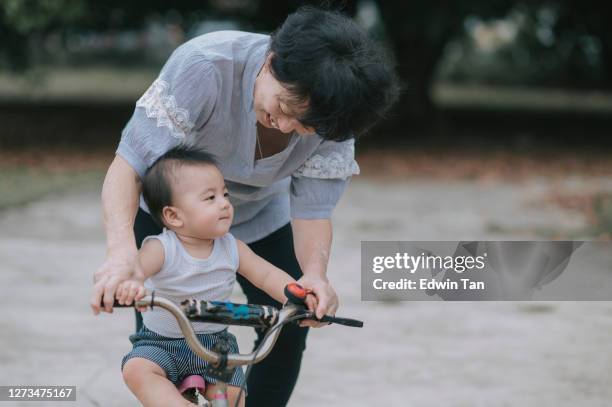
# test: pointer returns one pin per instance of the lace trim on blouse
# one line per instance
(335, 165)
(162, 106)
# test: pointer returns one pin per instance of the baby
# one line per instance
(194, 257)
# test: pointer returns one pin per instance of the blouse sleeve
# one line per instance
(318, 184)
(180, 101)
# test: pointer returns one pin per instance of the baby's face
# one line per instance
(200, 195)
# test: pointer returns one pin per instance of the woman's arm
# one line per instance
(262, 274)
(312, 241)
(316, 187)
(190, 80)
(120, 198)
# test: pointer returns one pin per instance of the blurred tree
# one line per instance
(528, 47)
(23, 22)
(23, 19)
(586, 20)
(417, 30)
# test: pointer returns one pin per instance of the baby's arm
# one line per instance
(151, 258)
(262, 274)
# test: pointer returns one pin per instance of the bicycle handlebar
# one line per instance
(262, 316)
(208, 355)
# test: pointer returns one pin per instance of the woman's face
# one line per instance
(273, 104)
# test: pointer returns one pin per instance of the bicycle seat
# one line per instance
(192, 382)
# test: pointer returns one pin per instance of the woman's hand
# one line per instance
(117, 268)
(324, 301)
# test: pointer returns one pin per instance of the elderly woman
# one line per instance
(280, 114)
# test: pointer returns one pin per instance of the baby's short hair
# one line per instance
(157, 181)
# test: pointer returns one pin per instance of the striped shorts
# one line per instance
(176, 358)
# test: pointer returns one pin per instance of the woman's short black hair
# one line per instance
(159, 177)
(326, 59)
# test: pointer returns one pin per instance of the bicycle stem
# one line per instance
(208, 355)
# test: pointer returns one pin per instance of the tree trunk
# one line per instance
(418, 32)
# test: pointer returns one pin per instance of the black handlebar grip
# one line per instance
(117, 305)
(342, 321)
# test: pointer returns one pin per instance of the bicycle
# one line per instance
(221, 363)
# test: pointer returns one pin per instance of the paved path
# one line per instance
(408, 354)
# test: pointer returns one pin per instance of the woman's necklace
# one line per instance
(258, 144)
(274, 144)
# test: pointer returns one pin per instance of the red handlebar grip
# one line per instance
(297, 290)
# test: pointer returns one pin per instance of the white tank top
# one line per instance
(183, 276)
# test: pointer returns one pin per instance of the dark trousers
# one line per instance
(272, 380)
